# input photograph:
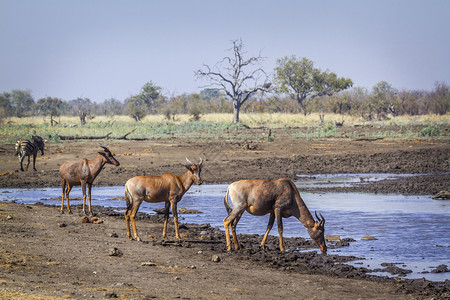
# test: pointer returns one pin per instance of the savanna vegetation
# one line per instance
(216, 126)
(298, 94)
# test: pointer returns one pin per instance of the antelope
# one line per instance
(278, 197)
(83, 172)
(168, 188)
(29, 148)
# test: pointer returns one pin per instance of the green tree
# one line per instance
(136, 108)
(236, 76)
(22, 103)
(150, 96)
(440, 98)
(302, 81)
(81, 107)
(49, 106)
(5, 106)
(381, 99)
(195, 106)
(112, 107)
(210, 93)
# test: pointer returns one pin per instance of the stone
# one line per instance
(215, 258)
(332, 237)
(115, 252)
(368, 238)
(440, 269)
(443, 195)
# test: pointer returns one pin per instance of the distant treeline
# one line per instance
(377, 103)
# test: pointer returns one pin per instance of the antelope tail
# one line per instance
(227, 205)
(128, 197)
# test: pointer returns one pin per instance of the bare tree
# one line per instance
(236, 76)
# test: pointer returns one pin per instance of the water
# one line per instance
(413, 231)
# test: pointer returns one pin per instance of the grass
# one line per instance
(250, 119)
(218, 126)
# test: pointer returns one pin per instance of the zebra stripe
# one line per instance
(29, 148)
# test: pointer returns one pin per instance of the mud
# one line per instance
(47, 254)
(227, 161)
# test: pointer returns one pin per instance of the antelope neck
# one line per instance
(186, 180)
(96, 165)
(305, 215)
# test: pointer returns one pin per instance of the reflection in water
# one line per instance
(411, 230)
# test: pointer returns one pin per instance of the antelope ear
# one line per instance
(188, 167)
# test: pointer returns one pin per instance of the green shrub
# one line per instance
(328, 130)
(431, 130)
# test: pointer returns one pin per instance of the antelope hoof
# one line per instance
(70, 212)
(61, 212)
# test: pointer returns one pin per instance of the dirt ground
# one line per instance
(47, 255)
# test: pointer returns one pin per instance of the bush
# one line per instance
(328, 130)
(432, 130)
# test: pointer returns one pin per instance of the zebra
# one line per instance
(25, 147)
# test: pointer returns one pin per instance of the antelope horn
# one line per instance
(201, 161)
(104, 147)
(323, 219)
(318, 219)
(189, 161)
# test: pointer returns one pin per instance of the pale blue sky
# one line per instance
(107, 48)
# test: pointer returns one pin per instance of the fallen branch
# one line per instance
(369, 139)
(68, 137)
(124, 137)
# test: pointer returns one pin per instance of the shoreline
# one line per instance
(95, 259)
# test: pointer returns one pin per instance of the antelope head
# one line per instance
(317, 232)
(195, 170)
(109, 157)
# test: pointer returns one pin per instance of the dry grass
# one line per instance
(252, 119)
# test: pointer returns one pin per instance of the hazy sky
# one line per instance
(101, 49)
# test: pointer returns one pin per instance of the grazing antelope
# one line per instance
(83, 172)
(28, 148)
(168, 188)
(278, 197)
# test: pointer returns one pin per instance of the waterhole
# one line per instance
(411, 231)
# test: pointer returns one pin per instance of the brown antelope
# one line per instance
(83, 172)
(168, 188)
(278, 197)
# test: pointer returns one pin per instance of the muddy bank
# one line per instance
(228, 161)
(45, 253)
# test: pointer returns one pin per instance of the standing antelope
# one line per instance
(168, 188)
(83, 172)
(26, 147)
(278, 197)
